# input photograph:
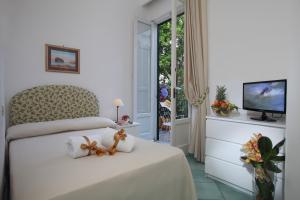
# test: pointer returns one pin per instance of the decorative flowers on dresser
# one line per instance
(261, 154)
(221, 105)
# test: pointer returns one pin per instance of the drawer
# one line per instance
(223, 150)
(229, 152)
(234, 174)
(240, 133)
(237, 175)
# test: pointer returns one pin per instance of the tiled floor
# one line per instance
(209, 189)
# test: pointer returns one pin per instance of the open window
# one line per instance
(167, 116)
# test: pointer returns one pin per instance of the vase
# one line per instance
(264, 182)
(222, 113)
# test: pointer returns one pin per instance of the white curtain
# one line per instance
(196, 72)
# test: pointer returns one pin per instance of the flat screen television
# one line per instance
(265, 96)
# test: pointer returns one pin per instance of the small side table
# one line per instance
(132, 129)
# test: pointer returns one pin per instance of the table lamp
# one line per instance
(118, 102)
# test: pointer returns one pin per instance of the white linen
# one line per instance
(74, 145)
(126, 145)
(40, 169)
(49, 127)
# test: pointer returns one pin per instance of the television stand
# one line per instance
(264, 117)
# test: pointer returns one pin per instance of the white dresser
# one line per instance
(224, 140)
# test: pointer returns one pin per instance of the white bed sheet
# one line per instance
(40, 169)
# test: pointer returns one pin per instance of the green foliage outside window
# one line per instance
(164, 53)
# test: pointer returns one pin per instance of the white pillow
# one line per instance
(50, 127)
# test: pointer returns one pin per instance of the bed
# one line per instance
(42, 118)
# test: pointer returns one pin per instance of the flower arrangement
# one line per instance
(125, 119)
(221, 105)
(261, 154)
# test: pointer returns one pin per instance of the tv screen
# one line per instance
(267, 96)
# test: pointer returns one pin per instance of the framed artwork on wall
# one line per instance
(62, 59)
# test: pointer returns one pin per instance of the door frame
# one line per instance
(166, 18)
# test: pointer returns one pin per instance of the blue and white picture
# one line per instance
(265, 96)
(62, 59)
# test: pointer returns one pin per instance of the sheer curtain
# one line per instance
(196, 72)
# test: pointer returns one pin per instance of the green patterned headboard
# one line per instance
(52, 102)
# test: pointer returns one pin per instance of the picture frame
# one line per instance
(62, 59)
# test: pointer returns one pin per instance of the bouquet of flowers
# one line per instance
(221, 105)
(261, 154)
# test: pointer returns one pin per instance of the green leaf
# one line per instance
(278, 158)
(280, 144)
(256, 164)
(265, 147)
(272, 167)
(277, 147)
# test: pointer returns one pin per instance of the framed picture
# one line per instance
(62, 59)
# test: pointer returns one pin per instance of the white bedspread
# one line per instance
(40, 169)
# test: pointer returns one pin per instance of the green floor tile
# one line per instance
(197, 166)
(197, 172)
(204, 179)
(208, 191)
(230, 193)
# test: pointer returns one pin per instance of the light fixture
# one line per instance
(118, 103)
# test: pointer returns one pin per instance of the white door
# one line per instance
(144, 93)
(181, 123)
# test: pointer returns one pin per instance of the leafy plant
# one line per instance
(221, 105)
(261, 154)
(221, 93)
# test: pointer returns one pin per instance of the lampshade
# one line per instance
(118, 102)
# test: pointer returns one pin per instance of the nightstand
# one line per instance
(132, 129)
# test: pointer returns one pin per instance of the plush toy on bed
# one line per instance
(120, 135)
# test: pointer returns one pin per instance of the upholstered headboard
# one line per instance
(52, 102)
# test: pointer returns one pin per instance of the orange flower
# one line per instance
(216, 103)
(251, 149)
(224, 105)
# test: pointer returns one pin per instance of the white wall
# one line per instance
(155, 10)
(247, 42)
(3, 36)
(292, 175)
(102, 30)
(259, 40)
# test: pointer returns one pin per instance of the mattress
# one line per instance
(40, 169)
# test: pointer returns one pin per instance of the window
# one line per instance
(181, 102)
(164, 70)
